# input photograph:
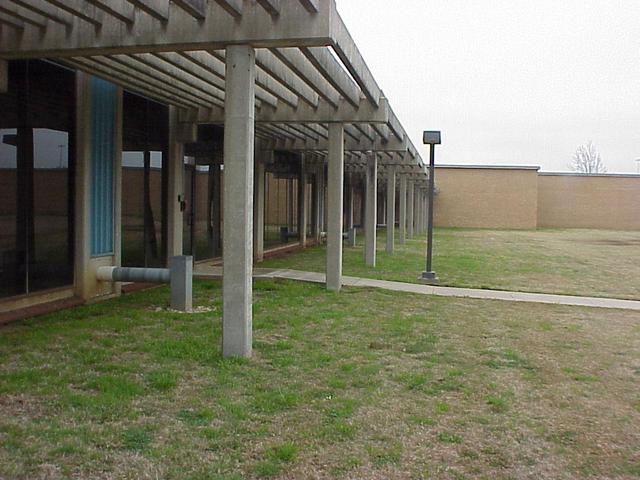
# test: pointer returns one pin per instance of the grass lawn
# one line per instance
(576, 262)
(361, 384)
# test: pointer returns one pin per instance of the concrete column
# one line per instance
(4, 76)
(316, 204)
(391, 209)
(216, 209)
(363, 203)
(258, 207)
(422, 212)
(416, 212)
(321, 198)
(302, 203)
(175, 187)
(335, 182)
(349, 201)
(402, 221)
(410, 204)
(371, 209)
(239, 116)
(290, 205)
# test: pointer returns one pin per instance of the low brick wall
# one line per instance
(478, 196)
(486, 197)
(589, 201)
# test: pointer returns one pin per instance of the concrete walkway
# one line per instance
(211, 272)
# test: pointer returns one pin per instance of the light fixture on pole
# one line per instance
(431, 138)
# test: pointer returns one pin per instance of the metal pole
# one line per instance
(429, 275)
(430, 217)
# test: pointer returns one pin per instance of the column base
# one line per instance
(429, 278)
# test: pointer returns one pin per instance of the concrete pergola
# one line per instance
(281, 74)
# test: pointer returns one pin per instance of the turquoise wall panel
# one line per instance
(103, 118)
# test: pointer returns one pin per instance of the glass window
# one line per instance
(36, 178)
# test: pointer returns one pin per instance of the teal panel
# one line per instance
(103, 118)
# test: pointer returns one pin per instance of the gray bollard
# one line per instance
(181, 268)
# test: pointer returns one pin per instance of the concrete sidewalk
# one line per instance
(208, 272)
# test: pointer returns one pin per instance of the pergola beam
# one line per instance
(298, 63)
(196, 8)
(158, 9)
(24, 16)
(295, 27)
(268, 62)
(311, 5)
(267, 83)
(11, 21)
(79, 10)
(324, 113)
(121, 11)
(134, 84)
(233, 7)
(331, 70)
(216, 66)
(47, 11)
(271, 6)
(350, 56)
(164, 66)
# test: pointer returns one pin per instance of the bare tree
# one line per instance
(587, 160)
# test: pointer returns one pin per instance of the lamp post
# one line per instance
(431, 138)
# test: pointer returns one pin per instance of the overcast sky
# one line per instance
(508, 81)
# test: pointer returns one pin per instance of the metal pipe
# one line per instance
(134, 274)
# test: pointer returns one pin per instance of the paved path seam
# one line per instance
(316, 277)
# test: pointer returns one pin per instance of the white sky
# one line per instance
(508, 81)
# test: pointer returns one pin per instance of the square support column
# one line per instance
(258, 206)
(4, 76)
(402, 221)
(321, 199)
(175, 188)
(302, 203)
(335, 182)
(410, 204)
(371, 210)
(391, 209)
(349, 201)
(416, 210)
(239, 126)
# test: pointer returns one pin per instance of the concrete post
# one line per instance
(349, 200)
(216, 210)
(402, 221)
(410, 204)
(416, 212)
(181, 271)
(175, 189)
(258, 208)
(4, 76)
(421, 202)
(391, 209)
(316, 204)
(321, 192)
(302, 203)
(335, 182)
(371, 209)
(239, 113)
